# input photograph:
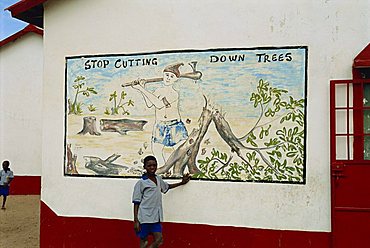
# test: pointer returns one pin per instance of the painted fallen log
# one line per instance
(104, 167)
(121, 126)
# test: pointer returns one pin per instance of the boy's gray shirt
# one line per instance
(4, 175)
(149, 196)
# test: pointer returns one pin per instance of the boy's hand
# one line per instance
(137, 226)
(185, 179)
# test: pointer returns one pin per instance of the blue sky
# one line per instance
(229, 84)
(9, 25)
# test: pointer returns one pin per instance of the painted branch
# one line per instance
(205, 120)
(229, 137)
(71, 161)
(224, 130)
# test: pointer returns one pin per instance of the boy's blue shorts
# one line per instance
(4, 190)
(148, 228)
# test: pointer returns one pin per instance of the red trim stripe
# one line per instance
(58, 231)
(25, 185)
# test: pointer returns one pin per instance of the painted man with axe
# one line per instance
(169, 130)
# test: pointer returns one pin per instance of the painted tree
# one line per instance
(119, 104)
(272, 150)
(75, 107)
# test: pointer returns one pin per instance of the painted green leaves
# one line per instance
(273, 149)
(75, 106)
(118, 104)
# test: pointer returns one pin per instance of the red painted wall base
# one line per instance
(82, 232)
(25, 185)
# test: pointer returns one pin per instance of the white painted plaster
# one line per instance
(334, 32)
(21, 71)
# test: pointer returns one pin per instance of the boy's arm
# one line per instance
(136, 220)
(152, 98)
(136, 200)
(9, 178)
(185, 180)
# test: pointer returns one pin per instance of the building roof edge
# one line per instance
(29, 28)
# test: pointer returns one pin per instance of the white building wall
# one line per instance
(334, 32)
(21, 71)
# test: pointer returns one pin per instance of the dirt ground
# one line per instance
(20, 222)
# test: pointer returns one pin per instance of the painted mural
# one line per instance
(218, 114)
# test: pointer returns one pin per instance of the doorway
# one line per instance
(350, 156)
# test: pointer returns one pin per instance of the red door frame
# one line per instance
(349, 176)
(344, 171)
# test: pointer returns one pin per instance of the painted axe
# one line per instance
(194, 75)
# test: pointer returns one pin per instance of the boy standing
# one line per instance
(6, 176)
(147, 199)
